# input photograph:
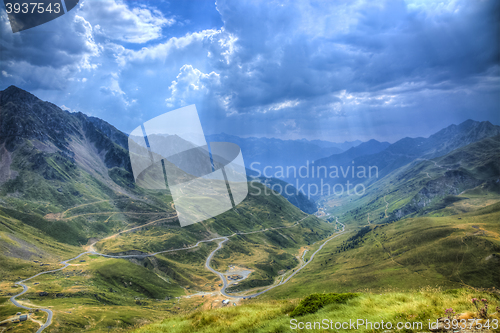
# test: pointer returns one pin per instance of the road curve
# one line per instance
(224, 281)
(25, 289)
(207, 265)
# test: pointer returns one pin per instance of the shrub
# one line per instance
(314, 302)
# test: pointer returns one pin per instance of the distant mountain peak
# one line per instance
(15, 94)
(468, 128)
(14, 88)
(467, 122)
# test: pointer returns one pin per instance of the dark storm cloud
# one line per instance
(45, 45)
(383, 46)
(404, 46)
(51, 55)
(45, 57)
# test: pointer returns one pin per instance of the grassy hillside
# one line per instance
(296, 198)
(466, 177)
(450, 252)
(21, 244)
(70, 203)
(265, 253)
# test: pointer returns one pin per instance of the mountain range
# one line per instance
(261, 152)
(67, 190)
(327, 144)
(389, 157)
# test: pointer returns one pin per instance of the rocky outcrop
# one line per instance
(24, 116)
(452, 183)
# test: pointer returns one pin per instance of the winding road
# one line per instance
(221, 240)
(223, 290)
(25, 289)
(386, 207)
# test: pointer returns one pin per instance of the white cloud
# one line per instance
(228, 46)
(279, 106)
(192, 85)
(115, 20)
(65, 108)
(288, 127)
(114, 89)
(434, 6)
(162, 50)
(83, 29)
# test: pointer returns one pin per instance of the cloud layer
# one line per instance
(331, 70)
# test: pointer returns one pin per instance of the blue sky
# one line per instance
(331, 70)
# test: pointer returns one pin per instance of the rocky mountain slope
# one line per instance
(389, 157)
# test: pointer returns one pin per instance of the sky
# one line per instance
(330, 70)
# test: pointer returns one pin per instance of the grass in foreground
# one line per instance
(423, 305)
